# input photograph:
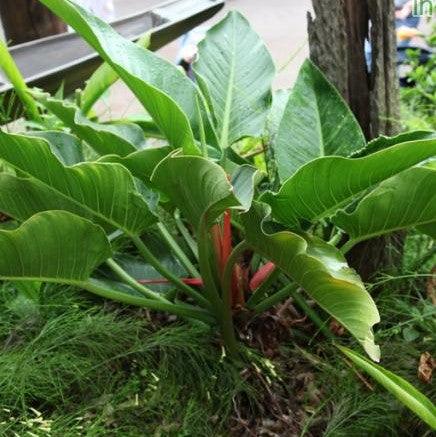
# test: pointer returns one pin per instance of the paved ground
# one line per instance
(281, 23)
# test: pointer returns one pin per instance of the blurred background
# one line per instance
(284, 33)
(282, 25)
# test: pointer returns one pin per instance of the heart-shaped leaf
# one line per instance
(198, 186)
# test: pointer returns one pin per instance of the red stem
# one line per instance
(260, 276)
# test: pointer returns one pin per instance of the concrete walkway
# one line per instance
(281, 24)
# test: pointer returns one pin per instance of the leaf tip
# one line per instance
(372, 349)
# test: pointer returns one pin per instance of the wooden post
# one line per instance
(26, 20)
(337, 36)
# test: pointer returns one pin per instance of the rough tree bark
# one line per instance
(337, 36)
(26, 20)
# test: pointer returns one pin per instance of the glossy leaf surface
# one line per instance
(316, 122)
(322, 271)
(322, 186)
(237, 70)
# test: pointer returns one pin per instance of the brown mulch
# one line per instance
(288, 398)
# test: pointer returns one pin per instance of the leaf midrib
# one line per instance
(229, 94)
(318, 122)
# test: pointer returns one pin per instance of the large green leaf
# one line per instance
(406, 200)
(57, 246)
(322, 271)
(165, 92)
(322, 186)
(66, 147)
(279, 100)
(141, 163)
(198, 186)
(237, 70)
(400, 388)
(53, 246)
(102, 79)
(316, 122)
(120, 139)
(102, 191)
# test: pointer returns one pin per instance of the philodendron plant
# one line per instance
(174, 213)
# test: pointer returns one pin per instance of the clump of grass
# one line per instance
(355, 412)
(352, 404)
(69, 366)
(50, 350)
(344, 404)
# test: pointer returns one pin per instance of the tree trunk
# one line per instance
(26, 20)
(337, 37)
